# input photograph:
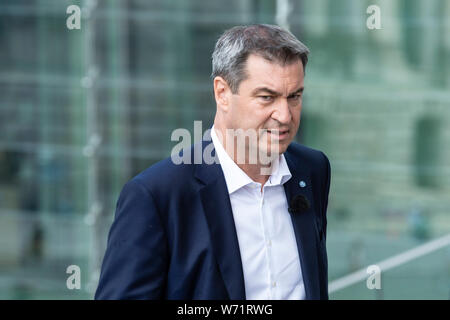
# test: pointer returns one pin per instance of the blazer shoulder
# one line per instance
(167, 174)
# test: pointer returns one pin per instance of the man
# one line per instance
(231, 230)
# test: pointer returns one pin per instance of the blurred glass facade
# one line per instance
(83, 111)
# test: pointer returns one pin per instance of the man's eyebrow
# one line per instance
(272, 92)
(266, 90)
(299, 90)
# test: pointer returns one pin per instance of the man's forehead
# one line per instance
(261, 72)
(257, 65)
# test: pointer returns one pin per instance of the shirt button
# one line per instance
(274, 284)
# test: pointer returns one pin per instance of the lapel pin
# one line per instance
(302, 184)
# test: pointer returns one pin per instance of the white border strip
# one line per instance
(390, 263)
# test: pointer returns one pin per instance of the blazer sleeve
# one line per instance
(136, 258)
(326, 193)
(323, 250)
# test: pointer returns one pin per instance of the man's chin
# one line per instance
(277, 149)
(271, 154)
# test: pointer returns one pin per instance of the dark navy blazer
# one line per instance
(174, 237)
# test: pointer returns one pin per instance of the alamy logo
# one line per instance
(374, 279)
(248, 146)
(374, 20)
(74, 280)
(74, 20)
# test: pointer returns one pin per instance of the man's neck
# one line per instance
(254, 171)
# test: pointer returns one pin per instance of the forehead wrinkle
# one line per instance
(284, 89)
(261, 74)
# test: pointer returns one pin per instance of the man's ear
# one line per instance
(222, 93)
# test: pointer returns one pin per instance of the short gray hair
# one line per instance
(268, 41)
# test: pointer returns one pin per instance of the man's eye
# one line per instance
(295, 97)
(266, 98)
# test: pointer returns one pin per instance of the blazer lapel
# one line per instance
(304, 228)
(219, 216)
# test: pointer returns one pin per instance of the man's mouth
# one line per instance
(278, 134)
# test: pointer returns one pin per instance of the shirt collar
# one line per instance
(236, 178)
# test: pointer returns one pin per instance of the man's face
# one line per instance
(269, 101)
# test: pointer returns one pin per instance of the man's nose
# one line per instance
(282, 111)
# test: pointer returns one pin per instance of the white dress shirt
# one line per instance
(264, 229)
